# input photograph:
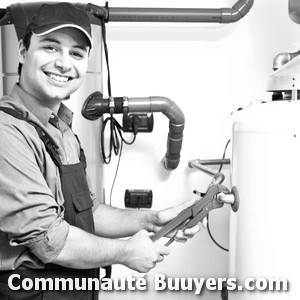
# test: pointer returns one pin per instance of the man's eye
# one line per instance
(50, 48)
(77, 55)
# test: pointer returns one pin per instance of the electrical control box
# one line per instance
(138, 198)
(135, 122)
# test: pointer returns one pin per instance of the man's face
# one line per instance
(54, 65)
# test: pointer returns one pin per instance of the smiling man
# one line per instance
(54, 65)
(50, 227)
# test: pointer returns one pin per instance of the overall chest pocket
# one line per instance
(82, 211)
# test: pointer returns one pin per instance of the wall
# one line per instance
(209, 70)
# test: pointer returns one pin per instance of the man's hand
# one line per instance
(141, 254)
(163, 217)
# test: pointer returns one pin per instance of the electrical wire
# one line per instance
(209, 232)
(208, 228)
(224, 153)
(115, 139)
(106, 55)
(116, 129)
(116, 173)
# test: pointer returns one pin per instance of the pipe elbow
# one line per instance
(238, 11)
(176, 126)
(169, 108)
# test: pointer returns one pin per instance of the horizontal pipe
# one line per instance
(187, 15)
(196, 164)
(224, 161)
(135, 14)
(218, 177)
(19, 14)
(226, 198)
(157, 104)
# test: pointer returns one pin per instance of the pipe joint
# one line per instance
(169, 108)
(238, 11)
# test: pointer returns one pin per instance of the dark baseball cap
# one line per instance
(51, 17)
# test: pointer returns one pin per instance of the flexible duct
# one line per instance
(95, 106)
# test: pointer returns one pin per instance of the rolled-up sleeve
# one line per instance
(47, 245)
(29, 212)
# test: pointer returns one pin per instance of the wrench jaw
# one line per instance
(215, 197)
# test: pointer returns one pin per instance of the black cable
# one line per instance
(106, 56)
(224, 153)
(209, 232)
(208, 229)
(115, 128)
(116, 173)
(115, 137)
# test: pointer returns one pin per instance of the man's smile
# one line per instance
(58, 78)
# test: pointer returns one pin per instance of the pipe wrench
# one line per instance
(195, 213)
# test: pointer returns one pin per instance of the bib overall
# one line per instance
(78, 212)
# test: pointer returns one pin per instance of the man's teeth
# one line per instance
(58, 78)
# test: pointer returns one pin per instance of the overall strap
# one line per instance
(13, 113)
(82, 157)
(49, 144)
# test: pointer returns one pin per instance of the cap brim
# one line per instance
(45, 30)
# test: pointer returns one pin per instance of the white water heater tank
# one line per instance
(264, 233)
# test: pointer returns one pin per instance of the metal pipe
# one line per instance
(188, 15)
(176, 125)
(195, 163)
(218, 177)
(224, 161)
(226, 198)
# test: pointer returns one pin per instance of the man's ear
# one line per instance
(21, 52)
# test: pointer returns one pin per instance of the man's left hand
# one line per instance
(163, 217)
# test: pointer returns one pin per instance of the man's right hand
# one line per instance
(141, 254)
